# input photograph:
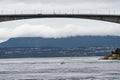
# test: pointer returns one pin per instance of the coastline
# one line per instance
(114, 55)
(111, 57)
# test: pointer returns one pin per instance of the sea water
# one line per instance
(59, 68)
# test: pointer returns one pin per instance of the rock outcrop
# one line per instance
(115, 55)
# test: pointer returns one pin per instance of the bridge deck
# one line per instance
(103, 17)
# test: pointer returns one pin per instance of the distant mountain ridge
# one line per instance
(69, 42)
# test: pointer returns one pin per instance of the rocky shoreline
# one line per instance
(114, 55)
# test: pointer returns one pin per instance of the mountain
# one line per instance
(69, 42)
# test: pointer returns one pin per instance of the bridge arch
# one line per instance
(108, 18)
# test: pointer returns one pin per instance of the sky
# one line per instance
(58, 27)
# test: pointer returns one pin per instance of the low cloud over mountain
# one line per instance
(51, 29)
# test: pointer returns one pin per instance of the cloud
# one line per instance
(59, 1)
(68, 30)
(58, 5)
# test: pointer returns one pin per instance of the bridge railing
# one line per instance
(108, 12)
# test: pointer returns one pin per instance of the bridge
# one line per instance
(102, 17)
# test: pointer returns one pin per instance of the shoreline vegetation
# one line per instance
(114, 55)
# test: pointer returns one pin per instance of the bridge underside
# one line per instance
(109, 18)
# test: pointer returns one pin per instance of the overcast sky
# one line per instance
(100, 6)
(57, 28)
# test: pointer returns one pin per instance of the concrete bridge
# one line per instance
(102, 17)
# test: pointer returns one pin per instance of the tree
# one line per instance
(117, 51)
(113, 52)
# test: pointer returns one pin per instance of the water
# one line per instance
(76, 68)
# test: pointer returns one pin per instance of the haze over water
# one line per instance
(64, 68)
